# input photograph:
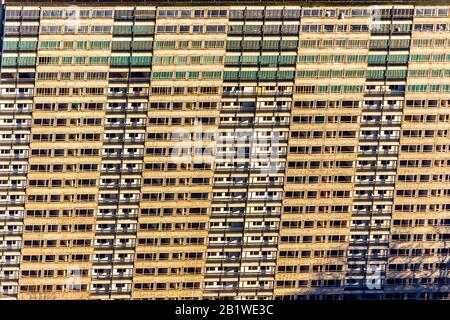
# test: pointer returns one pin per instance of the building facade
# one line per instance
(255, 151)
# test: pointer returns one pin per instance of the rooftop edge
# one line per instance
(226, 2)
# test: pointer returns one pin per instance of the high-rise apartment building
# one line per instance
(266, 150)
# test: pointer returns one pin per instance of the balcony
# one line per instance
(18, 96)
(247, 169)
(253, 94)
(377, 152)
(365, 213)
(10, 232)
(384, 92)
(247, 124)
(121, 125)
(249, 214)
(6, 142)
(378, 227)
(9, 263)
(129, 80)
(224, 289)
(384, 138)
(117, 171)
(13, 188)
(363, 198)
(113, 141)
(126, 111)
(121, 186)
(367, 123)
(111, 292)
(239, 275)
(367, 257)
(108, 202)
(365, 242)
(378, 109)
(127, 216)
(246, 245)
(246, 230)
(123, 156)
(384, 183)
(17, 111)
(17, 81)
(11, 218)
(391, 32)
(237, 109)
(386, 168)
(231, 260)
(260, 65)
(240, 185)
(17, 127)
(14, 278)
(143, 95)
(110, 261)
(121, 276)
(129, 246)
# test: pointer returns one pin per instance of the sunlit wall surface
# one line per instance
(239, 152)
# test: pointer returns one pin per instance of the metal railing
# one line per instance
(229, 2)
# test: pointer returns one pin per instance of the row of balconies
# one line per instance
(230, 185)
(253, 215)
(254, 94)
(376, 168)
(234, 288)
(24, 124)
(379, 183)
(239, 275)
(127, 156)
(236, 109)
(129, 80)
(243, 245)
(16, 108)
(17, 81)
(378, 213)
(126, 110)
(245, 230)
(365, 198)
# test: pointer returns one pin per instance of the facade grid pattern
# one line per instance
(224, 152)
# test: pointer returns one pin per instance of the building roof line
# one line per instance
(226, 2)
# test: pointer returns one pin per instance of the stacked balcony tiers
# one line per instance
(226, 151)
